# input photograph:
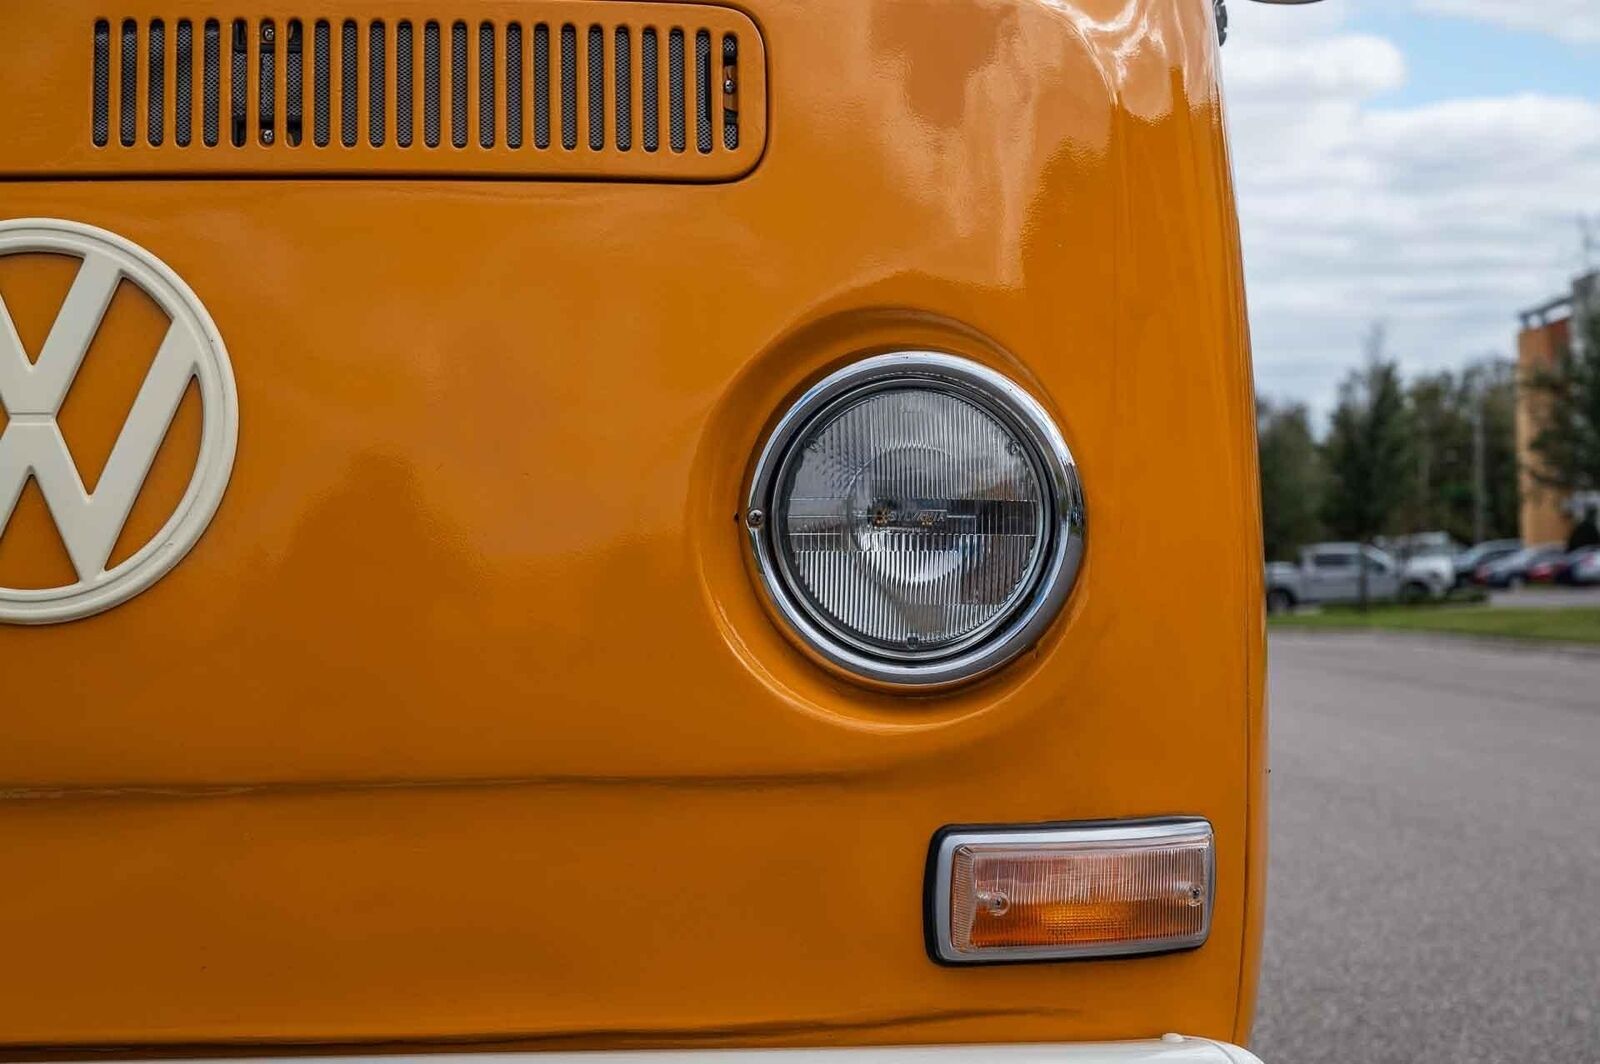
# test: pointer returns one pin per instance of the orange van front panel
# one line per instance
(465, 720)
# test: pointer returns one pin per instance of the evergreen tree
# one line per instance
(1369, 450)
(1458, 421)
(1369, 453)
(1291, 479)
(1567, 447)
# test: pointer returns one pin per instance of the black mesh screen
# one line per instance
(541, 86)
(702, 95)
(321, 84)
(294, 84)
(404, 114)
(624, 93)
(458, 84)
(266, 87)
(628, 55)
(102, 82)
(730, 67)
(130, 82)
(597, 88)
(239, 90)
(514, 85)
(431, 124)
(155, 120)
(349, 83)
(377, 82)
(485, 84)
(569, 87)
(650, 83)
(183, 85)
(675, 113)
(211, 84)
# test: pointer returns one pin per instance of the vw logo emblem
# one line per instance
(32, 392)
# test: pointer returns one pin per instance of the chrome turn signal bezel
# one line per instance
(1084, 836)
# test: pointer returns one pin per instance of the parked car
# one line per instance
(1512, 570)
(1329, 573)
(1549, 569)
(1419, 545)
(1468, 561)
(1585, 568)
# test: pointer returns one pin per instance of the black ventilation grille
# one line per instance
(597, 87)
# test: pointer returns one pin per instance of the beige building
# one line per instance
(1546, 515)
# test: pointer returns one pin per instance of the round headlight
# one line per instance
(916, 518)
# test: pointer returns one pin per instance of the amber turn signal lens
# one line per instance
(1071, 891)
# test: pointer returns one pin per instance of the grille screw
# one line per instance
(755, 519)
(266, 136)
(728, 86)
(266, 34)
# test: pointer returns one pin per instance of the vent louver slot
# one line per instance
(675, 97)
(597, 88)
(404, 63)
(347, 84)
(624, 89)
(651, 80)
(183, 84)
(212, 83)
(239, 66)
(130, 81)
(322, 83)
(702, 96)
(294, 83)
(101, 129)
(458, 84)
(266, 90)
(431, 124)
(569, 87)
(541, 86)
(485, 85)
(514, 71)
(155, 123)
(596, 103)
(377, 83)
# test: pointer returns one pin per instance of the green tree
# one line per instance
(1492, 388)
(1441, 453)
(1567, 447)
(1369, 452)
(1463, 452)
(1291, 478)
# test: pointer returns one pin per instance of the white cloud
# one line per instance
(1442, 220)
(1571, 20)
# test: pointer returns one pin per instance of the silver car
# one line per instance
(1328, 573)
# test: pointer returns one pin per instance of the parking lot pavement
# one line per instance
(1547, 597)
(1435, 866)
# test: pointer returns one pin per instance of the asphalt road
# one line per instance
(1435, 868)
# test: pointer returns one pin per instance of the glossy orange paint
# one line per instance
(464, 721)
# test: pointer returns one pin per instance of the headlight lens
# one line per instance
(911, 520)
(916, 518)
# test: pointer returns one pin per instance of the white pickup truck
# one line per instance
(1329, 573)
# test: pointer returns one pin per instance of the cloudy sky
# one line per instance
(1423, 163)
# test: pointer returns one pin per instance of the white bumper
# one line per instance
(1169, 1049)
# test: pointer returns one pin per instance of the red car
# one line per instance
(1547, 570)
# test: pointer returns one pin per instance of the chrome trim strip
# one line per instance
(947, 840)
(996, 644)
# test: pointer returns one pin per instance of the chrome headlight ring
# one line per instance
(1048, 584)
